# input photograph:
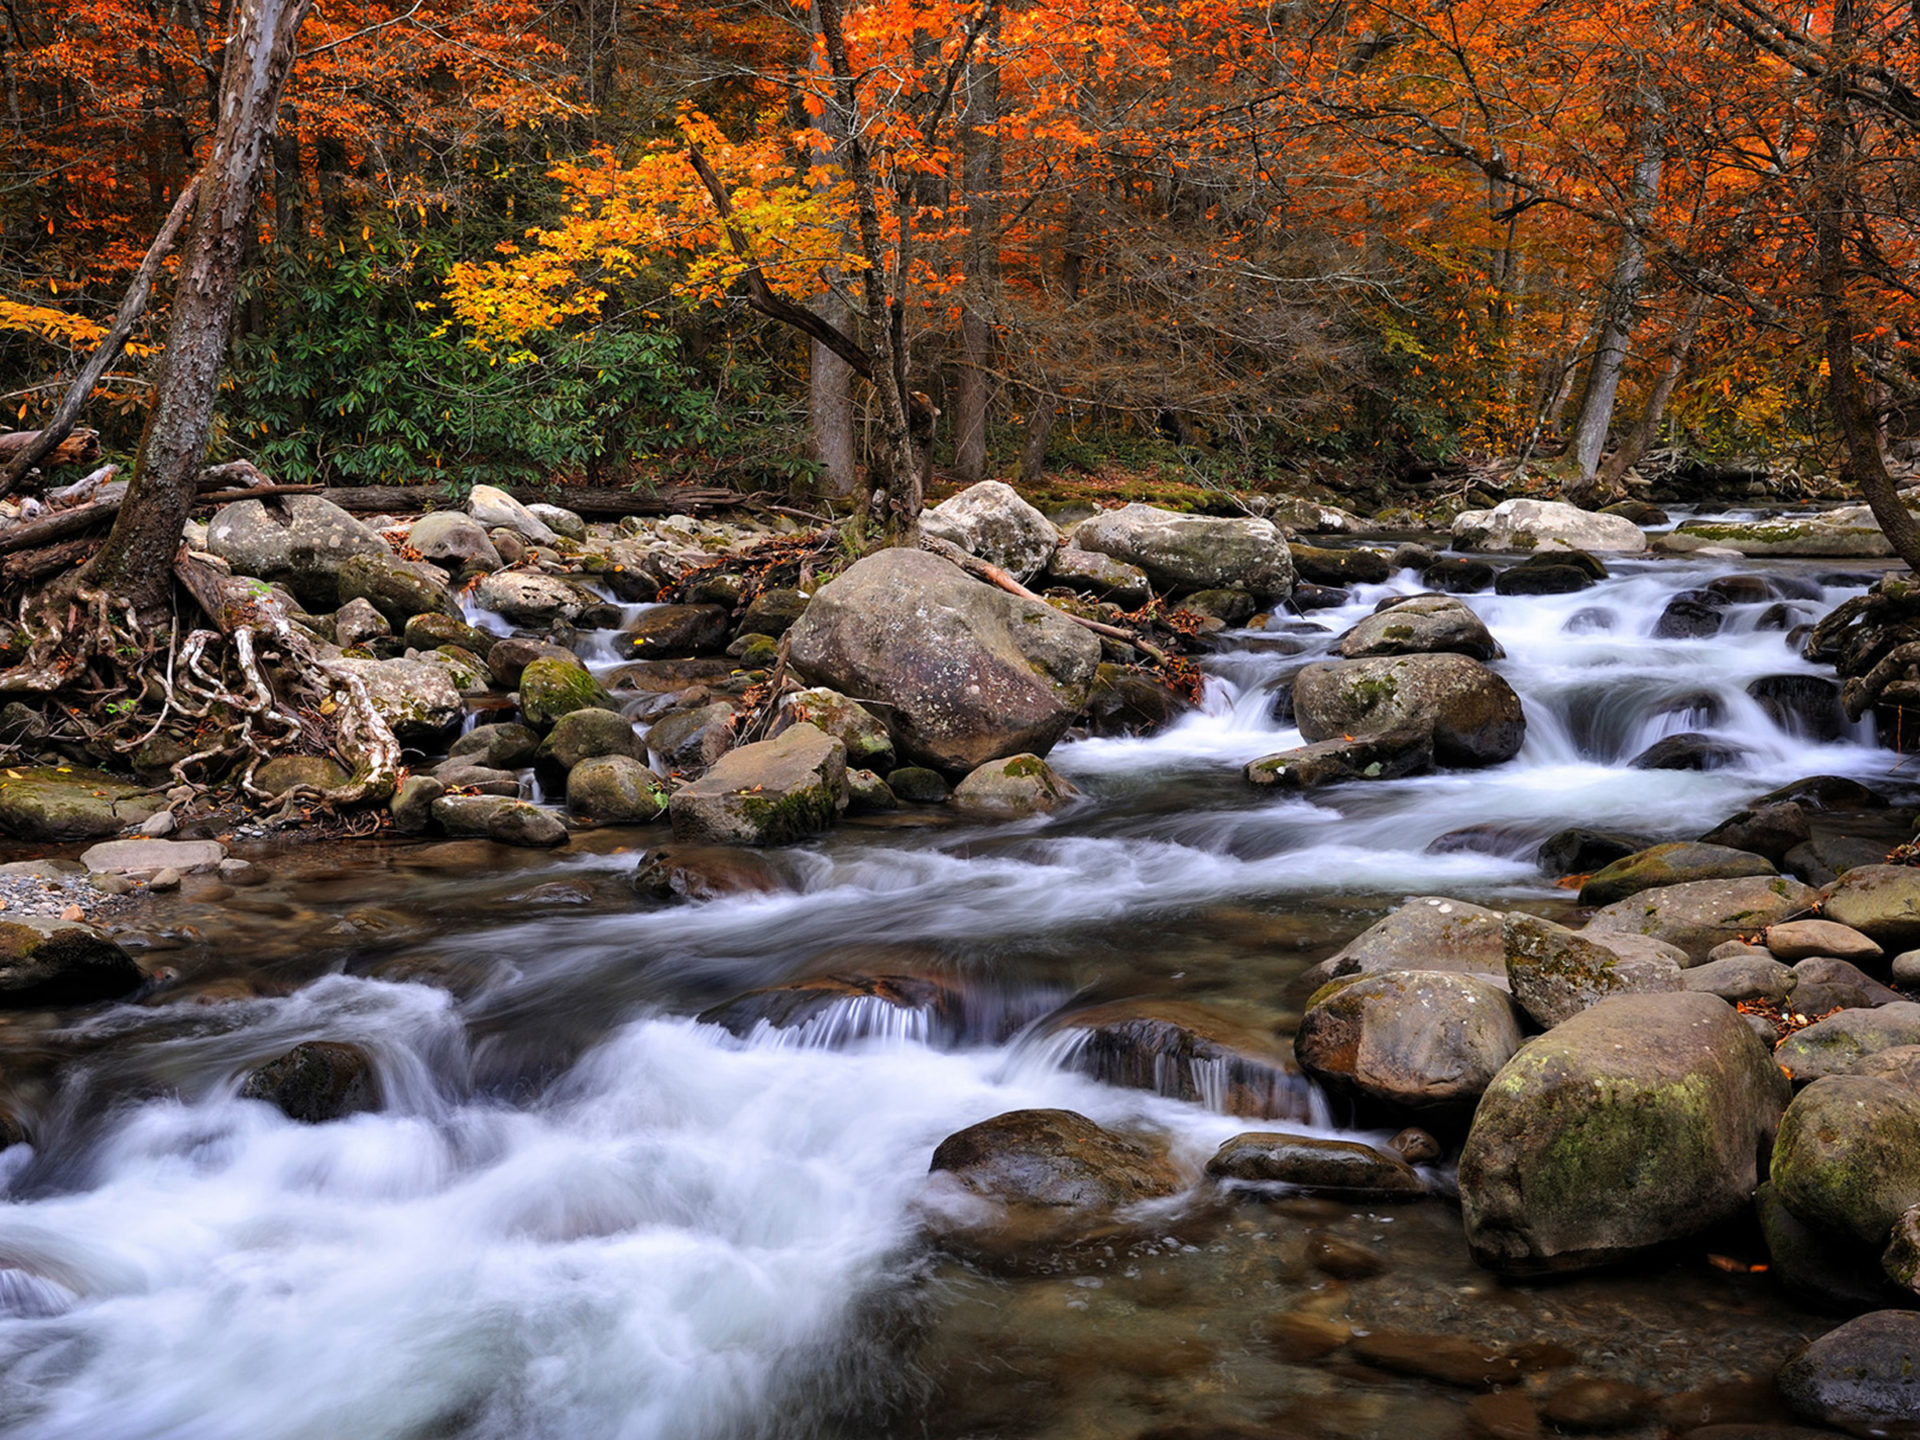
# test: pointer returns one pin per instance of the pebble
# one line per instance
(51, 894)
(165, 879)
(1343, 1259)
(1415, 1146)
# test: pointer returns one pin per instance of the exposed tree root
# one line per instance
(249, 688)
(1873, 641)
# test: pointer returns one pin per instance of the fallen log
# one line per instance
(31, 566)
(82, 447)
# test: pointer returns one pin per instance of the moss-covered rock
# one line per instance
(1320, 1166)
(552, 687)
(1848, 1156)
(398, 589)
(589, 734)
(59, 802)
(417, 700)
(615, 790)
(1882, 902)
(1701, 914)
(1419, 1039)
(1421, 625)
(1012, 789)
(499, 818)
(499, 746)
(773, 792)
(1839, 1043)
(1555, 973)
(287, 772)
(1674, 864)
(432, 630)
(869, 746)
(1474, 716)
(1635, 1122)
(412, 804)
(54, 964)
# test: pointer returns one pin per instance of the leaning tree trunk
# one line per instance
(136, 564)
(1862, 464)
(981, 186)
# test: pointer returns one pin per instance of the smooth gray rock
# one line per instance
(991, 521)
(772, 792)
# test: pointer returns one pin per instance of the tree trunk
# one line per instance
(1647, 428)
(136, 563)
(1033, 454)
(830, 413)
(1589, 438)
(1862, 464)
(980, 259)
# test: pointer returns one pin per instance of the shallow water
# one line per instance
(583, 1214)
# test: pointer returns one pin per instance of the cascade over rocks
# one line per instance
(1186, 1052)
(1193, 552)
(835, 1010)
(991, 521)
(961, 672)
(1637, 1121)
(1474, 716)
(319, 1081)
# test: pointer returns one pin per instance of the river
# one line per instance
(583, 1214)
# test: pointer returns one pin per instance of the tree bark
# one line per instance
(136, 563)
(980, 182)
(1646, 429)
(1862, 464)
(1033, 454)
(1589, 437)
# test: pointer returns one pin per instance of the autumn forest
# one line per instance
(508, 241)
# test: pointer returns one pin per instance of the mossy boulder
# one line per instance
(54, 964)
(1193, 552)
(316, 1082)
(589, 734)
(1849, 531)
(1386, 756)
(967, 673)
(289, 772)
(551, 688)
(1674, 864)
(773, 792)
(1882, 902)
(526, 597)
(416, 699)
(1418, 1039)
(1555, 973)
(1838, 1044)
(509, 658)
(869, 746)
(499, 818)
(412, 804)
(398, 589)
(1638, 1121)
(59, 802)
(774, 611)
(1701, 914)
(1848, 1156)
(615, 790)
(1421, 625)
(1474, 716)
(1015, 788)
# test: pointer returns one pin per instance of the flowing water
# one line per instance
(581, 1213)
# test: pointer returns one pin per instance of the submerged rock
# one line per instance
(1413, 1038)
(834, 1010)
(1863, 1377)
(316, 1082)
(704, 872)
(772, 792)
(968, 673)
(500, 819)
(1052, 1158)
(1338, 1167)
(1690, 751)
(1131, 702)
(59, 964)
(1637, 1121)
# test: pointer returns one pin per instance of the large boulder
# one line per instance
(869, 746)
(990, 520)
(1429, 932)
(615, 790)
(963, 672)
(496, 510)
(60, 802)
(1555, 973)
(1536, 525)
(1417, 1038)
(416, 699)
(300, 539)
(1839, 1043)
(1848, 1155)
(1193, 552)
(589, 734)
(1674, 864)
(1882, 902)
(1474, 716)
(1863, 1377)
(553, 687)
(1701, 914)
(1052, 1158)
(773, 792)
(1848, 531)
(62, 965)
(398, 589)
(1421, 625)
(499, 818)
(1637, 1121)
(453, 541)
(526, 597)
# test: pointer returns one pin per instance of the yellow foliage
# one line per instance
(621, 217)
